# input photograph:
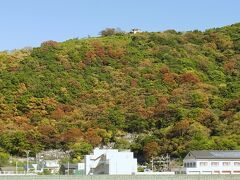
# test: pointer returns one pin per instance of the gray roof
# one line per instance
(213, 154)
(71, 166)
(30, 166)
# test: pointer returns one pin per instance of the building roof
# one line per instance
(71, 166)
(213, 154)
(136, 29)
(51, 164)
(31, 166)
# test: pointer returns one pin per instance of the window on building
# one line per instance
(203, 163)
(226, 163)
(236, 163)
(226, 172)
(190, 164)
(214, 163)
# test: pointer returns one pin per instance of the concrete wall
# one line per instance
(136, 177)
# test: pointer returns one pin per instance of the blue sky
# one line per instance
(30, 22)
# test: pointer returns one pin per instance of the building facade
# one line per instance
(212, 162)
(72, 169)
(52, 165)
(110, 161)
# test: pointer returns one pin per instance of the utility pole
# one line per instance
(68, 166)
(27, 152)
(152, 164)
(16, 168)
(168, 162)
(68, 155)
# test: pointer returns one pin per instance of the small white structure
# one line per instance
(135, 31)
(110, 161)
(81, 166)
(212, 162)
(52, 165)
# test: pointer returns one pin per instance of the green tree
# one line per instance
(111, 31)
(80, 149)
(4, 157)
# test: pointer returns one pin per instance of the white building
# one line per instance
(135, 31)
(110, 161)
(212, 162)
(52, 165)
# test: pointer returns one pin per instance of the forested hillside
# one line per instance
(155, 93)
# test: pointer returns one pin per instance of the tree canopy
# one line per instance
(179, 91)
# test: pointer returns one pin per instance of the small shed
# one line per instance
(72, 168)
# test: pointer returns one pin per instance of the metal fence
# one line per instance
(136, 177)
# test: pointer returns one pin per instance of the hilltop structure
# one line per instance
(135, 31)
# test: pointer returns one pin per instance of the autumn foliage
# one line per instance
(151, 92)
